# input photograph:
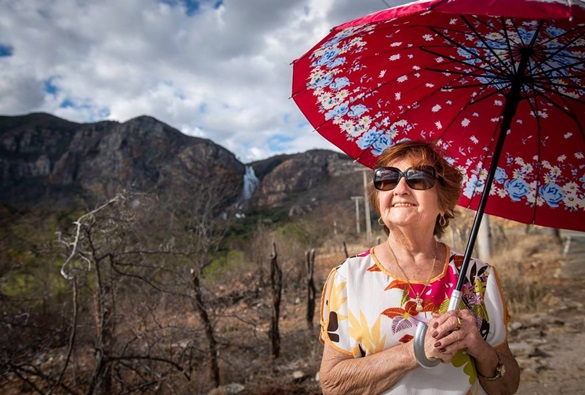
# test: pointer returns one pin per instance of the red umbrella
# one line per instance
(498, 85)
(431, 70)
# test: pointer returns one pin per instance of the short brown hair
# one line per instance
(424, 153)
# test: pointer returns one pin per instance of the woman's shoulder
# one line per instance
(361, 262)
(475, 264)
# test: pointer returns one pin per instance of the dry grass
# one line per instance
(527, 269)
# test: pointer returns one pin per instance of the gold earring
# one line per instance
(381, 222)
(442, 221)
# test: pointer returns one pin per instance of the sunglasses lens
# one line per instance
(420, 179)
(387, 178)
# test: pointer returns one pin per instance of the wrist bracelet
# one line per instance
(500, 371)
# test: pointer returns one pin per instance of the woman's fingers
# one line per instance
(453, 331)
(444, 324)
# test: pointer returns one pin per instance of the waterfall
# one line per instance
(251, 182)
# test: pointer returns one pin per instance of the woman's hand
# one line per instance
(453, 331)
(456, 330)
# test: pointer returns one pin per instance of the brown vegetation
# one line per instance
(155, 301)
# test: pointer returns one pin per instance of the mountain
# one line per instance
(327, 174)
(46, 161)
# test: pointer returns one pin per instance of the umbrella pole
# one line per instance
(512, 99)
(508, 113)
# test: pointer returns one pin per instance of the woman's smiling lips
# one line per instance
(403, 204)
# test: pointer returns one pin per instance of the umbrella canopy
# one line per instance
(498, 85)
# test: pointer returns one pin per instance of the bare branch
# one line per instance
(78, 223)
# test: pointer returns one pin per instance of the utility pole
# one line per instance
(357, 199)
(484, 239)
(365, 170)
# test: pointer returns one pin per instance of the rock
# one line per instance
(522, 349)
(228, 389)
(538, 352)
(285, 176)
(541, 320)
(299, 376)
(516, 325)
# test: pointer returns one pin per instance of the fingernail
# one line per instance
(443, 350)
(435, 325)
(437, 344)
(435, 334)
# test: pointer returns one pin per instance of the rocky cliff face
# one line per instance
(286, 177)
(47, 161)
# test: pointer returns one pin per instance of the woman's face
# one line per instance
(406, 207)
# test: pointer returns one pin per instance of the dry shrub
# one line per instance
(526, 267)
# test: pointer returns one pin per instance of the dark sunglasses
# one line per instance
(420, 178)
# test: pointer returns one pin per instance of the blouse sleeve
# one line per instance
(334, 321)
(496, 310)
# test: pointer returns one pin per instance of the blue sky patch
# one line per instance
(67, 104)
(278, 142)
(6, 50)
(192, 6)
(50, 86)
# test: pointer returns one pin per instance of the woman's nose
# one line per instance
(402, 187)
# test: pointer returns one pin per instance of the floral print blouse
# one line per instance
(366, 309)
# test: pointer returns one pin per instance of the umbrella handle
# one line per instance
(421, 330)
(419, 348)
(454, 300)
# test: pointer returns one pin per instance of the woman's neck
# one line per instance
(413, 245)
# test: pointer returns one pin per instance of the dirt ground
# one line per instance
(550, 345)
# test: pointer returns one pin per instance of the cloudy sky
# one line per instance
(214, 69)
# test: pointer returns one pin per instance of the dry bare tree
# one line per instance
(276, 289)
(116, 261)
(213, 350)
(311, 289)
(130, 259)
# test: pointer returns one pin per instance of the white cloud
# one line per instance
(220, 73)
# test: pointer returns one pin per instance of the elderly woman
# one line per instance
(372, 303)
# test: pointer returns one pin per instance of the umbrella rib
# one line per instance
(535, 110)
(481, 37)
(493, 78)
(570, 114)
(568, 43)
(456, 61)
(464, 73)
(538, 73)
(539, 93)
(499, 66)
(547, 88)
(485, 87)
